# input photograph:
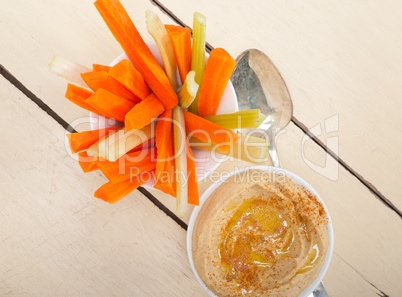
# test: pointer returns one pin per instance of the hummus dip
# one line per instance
(263, 236)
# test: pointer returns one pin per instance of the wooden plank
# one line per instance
(57, 240)
(337, 59)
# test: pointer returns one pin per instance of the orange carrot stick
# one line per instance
(108, 103)
(181, 40)
(165, 168)
(209, 132)
(98, 67)
(83, 140)
(125, 73)
(143, 113)
(88, 163)
(192, 182)
(78, 95)
(102, 80)
(123, 29)
(219, 68)
(114, 192)
(129, 165)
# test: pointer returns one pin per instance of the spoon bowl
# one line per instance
(258, 84)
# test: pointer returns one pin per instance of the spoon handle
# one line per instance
(320, 291)
(272, 148)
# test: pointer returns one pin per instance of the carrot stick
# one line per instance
(98, 67)
(87, 163)
(209, 132)
(125, 73)
(102, 80)
(108, 103)
(219, 68)
(165, 169)
(78, 95)
(143, 113)
(83, 140)
(114, 192)
(192, 182)
(129, 166)
(181, 40)
(123, 29)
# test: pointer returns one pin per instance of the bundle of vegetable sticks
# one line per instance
(158, 133)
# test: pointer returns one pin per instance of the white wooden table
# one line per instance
(342, 63)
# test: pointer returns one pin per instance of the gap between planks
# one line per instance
(302, 127)
(379, 293)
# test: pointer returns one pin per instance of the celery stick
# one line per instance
(261, 118)
(248, 148)
(188, 91)
(251, 118)
(198, 53)
(159, 33)
(68, 70)
(180, 149)
(119, 142)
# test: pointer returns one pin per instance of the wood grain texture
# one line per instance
(57, 240)
(337, 58)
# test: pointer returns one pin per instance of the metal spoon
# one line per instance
(258, 84)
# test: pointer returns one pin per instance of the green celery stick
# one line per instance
(250, 118)
(198, 53)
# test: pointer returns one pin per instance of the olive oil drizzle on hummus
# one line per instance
(260, 238)
(255, 237)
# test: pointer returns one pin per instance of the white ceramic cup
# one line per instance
(296, 179)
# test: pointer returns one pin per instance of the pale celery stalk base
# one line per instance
(180, 149)
(119, 142)
(188, 91)
(247, 148)
(70, 71)
(159, 33)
